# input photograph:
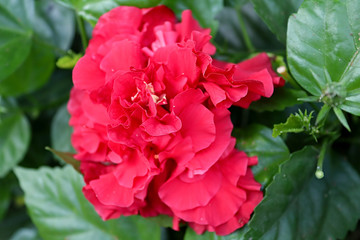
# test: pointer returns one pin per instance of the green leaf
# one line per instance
(204, 11)
(299, 206)
(192, 235)
(275, 14)
(15, 42)
(32, 69)
(61, 131)
(47, 25)
(68, 61)
(60, 211)
(340, 115)
(30, 76)
(282, 98)
(271, 152)
(323, 47)
(322, 115)
(14, 138)
(293, 124)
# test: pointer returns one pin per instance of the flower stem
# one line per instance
(82, 31)
(319, 169)
(246, 37)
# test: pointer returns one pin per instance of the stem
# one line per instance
(81, 26)
(247, 40)
(319, 169)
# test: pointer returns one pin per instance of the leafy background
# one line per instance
(315, 44)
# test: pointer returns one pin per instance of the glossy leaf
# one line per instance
(60, 211)
(29, 76)
(282, 98)
(299, 206)
(36, 50)
(15, 42)
(61, 131)
(14, 139)
(257, 140)
(323, 51)
(275, 14)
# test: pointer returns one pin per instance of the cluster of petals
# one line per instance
(152, 128)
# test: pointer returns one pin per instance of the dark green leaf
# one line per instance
(60, 211)
(4, 198)
(55, 23)
(37, 57)
(282, 98)
(293, 124)
(204, 11)
(15, 42)
(275, 14)
(257, 140)
(30, 76)
(14, 139)
(323, 51)
(322, 114)
(299, 206)
(61, 131)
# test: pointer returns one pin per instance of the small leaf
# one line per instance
(256, 140)
(293, 124)
(14, 138)
(60, 211)
(299, 206)
(340, 115)
(66, 157)
(322, 114)
(68, 61)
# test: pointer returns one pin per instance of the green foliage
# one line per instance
(256, 140)
(300, 122)
(323, 52)
(61, 131)
(192, 235)
(299, 206)
(68, 61)
(60, 211)
(14, 137)
(204, 11)
(30, 36)
(276, 13)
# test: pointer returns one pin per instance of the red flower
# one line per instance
(151, 125)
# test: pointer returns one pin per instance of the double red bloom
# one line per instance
(151, 124)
